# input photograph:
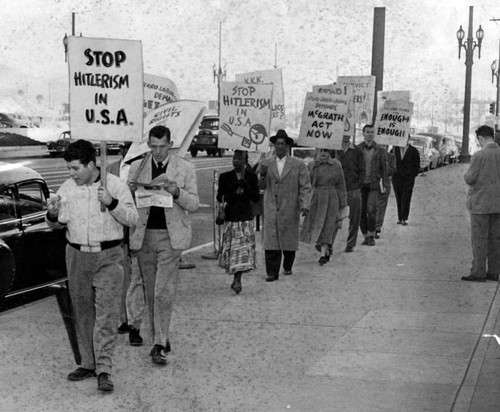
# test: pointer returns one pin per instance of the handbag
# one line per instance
(221, 214)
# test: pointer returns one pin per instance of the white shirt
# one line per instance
(280, 163)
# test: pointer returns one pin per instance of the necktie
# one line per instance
(160, 165)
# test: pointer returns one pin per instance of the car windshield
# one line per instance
(209, 124)
(418, 142)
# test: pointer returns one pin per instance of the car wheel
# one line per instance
(193, 152)
(7, 269)
(220, 152)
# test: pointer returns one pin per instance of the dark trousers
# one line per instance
(273, 261)
(403, 189)
(383, 199)
(354, 203)
(369, 202)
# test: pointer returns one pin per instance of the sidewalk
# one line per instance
(386, 328)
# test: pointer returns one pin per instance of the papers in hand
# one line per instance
(153, 193)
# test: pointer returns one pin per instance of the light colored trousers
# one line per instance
(159, 267)
(95, 281)
(132, 302)
(485, 239)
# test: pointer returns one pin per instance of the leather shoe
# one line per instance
(471, 278)
(492, 277)
(272, 278)
(123, 328)
(158, 355)
(404, 223)
(167, 348)
(80, 374)
(399, 222)
(134, 337)
(104, 382)
(287, 272)
(349, 249)
(365, 241)
(371, 241)
(377, 234)
(323, 260)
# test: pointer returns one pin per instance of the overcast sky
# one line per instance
(316, 40)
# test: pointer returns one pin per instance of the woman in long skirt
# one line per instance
(237, 189)
(328, 199)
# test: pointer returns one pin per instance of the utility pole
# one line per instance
(378, 52)
(497, 129)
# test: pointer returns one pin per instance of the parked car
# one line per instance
(32, 256)
(445, 145)
(207, 138)
(429, 156)
(10, 121)
(58, 147)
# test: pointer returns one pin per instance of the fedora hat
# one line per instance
(282, 134)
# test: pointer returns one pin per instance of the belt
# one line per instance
(97, 248)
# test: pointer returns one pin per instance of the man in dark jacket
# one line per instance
(407, 168)
(374, 182)
(353, 165)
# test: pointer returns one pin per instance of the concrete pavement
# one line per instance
(386, 328)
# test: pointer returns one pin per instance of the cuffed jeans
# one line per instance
(95, 282)
(485, 239)
(159, 267)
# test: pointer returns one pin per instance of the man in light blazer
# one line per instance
(287, 194)
(162, 233)
(483, 203)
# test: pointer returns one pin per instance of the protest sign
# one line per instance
(341, 90)
(274, 77)
(245, 116)
(157, 91)
(181, 117)
(105, 89)
(392, 126)
(323, 118)
(363, 96)
(384, 95)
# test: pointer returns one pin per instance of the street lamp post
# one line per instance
(219, 74)
(469, 45)
(495, 73)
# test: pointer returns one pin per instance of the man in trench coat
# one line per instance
(287, 194)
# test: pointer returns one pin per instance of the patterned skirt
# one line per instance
(238, 247)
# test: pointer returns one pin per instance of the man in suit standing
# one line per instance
(407, 168)
(483, 203)
(287, 194)
(162, 232)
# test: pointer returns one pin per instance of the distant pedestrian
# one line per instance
(237, 189)
(287, 194)
(374, 182)
(383, 198)
(328, 199)
(94, 255)
(353, 166)
(483, 203)
(163, 232)
(407, 169)
(132, 304)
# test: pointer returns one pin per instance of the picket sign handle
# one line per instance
(216, 228)
(103, 170)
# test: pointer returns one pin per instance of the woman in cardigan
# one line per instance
(236, 190)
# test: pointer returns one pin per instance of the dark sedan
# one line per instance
(32, 256)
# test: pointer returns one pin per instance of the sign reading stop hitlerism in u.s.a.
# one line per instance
(106, 89)
(274, 77)
(392, 126)
(325, 112)
(245, 116)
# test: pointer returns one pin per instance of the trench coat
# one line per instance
(328, 198)
(283, 199)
